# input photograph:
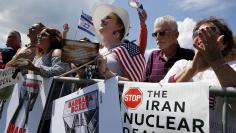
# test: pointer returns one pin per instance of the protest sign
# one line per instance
(79, 52)
(168, 108)
(6, 78)
(22, 112)
(89, 110)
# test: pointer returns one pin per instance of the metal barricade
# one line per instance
(217, 91)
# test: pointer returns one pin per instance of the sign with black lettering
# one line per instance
(167, 108)
(22, 112)
(89, 110)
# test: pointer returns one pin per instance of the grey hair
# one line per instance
(170, 20)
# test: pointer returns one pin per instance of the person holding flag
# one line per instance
(66, 28)
(142, 38)
(112, 26)
(85, 24)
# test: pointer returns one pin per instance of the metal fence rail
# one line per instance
(213, 90)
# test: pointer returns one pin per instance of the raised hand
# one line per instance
(212, 45)
(66, 28)
(142, 16)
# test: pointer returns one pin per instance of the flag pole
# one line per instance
(77, 68)
(76, 33)
(77, 28)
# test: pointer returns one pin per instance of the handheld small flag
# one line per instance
(86, 24)
(131, 59)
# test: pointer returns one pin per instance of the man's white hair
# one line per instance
(170, 20)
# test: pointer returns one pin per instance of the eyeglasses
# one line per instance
(42, 35)
(214, 29)
(160, 33)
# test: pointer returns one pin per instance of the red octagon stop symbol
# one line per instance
(132, 98)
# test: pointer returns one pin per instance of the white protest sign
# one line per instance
(89, 110)
(22, 112)
(6, 78)
(167, 108)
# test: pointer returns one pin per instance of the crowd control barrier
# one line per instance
(217, 91)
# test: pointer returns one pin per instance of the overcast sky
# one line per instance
(21, 14)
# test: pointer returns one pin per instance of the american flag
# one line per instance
(131, 59)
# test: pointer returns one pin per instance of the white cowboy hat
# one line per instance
(103, 10)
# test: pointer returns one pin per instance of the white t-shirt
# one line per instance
(210, 77)
(113, 63)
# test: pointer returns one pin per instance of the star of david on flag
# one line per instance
(86, 24)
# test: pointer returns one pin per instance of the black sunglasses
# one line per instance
(44, 34)
(160, 33)
(214, 29)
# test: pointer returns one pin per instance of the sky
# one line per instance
(21, 14)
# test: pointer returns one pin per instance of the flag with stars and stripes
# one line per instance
(131, 59)
(86, 24)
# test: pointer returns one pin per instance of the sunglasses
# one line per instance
(160, 33)
(214, 29)
(42, 35)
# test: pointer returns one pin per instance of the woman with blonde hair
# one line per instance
(125, 59)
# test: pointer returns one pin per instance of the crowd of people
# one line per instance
(213, 60)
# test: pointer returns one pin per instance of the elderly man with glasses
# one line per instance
(169, 50)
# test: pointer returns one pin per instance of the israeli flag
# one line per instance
(86, 24)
